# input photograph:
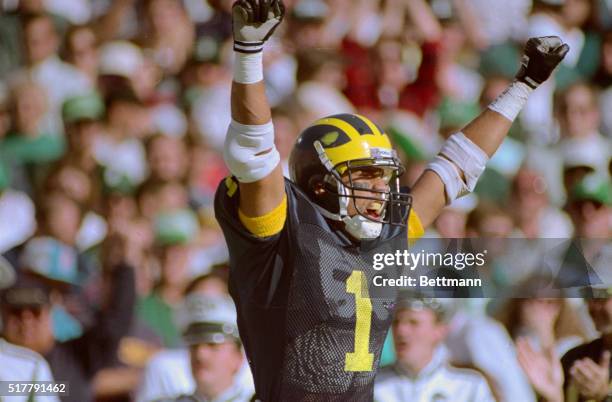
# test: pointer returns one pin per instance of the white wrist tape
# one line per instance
(248, 67)
(460, 154)
(249, 151)
(512, 100)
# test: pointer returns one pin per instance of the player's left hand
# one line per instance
(591, 378)
(541, 57)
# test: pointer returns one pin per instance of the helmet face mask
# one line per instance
(361, 194)
(345, 164)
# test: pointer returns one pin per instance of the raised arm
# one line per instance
(249, 146)
(455, 171)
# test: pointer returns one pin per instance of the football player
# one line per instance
(301, 250)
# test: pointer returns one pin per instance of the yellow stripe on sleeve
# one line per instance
(231, 185)
(415, 228)
(269, 224)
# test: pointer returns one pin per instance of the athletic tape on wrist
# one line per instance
(248, 67)
(512, 100)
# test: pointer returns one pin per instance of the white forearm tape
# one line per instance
(249, 151)
(248, 67)
(512, 100)
(459, 155)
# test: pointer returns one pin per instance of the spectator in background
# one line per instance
(168, 374)
(369, 89)
(579, 120)
(307, 25)
(579, 162)
(533, 213)
(77, 185)
(123, 220)
(120, 65)
(589, 207)
(155, 198)
(32, 140)
(422, 371)
(547, 323)
(117, 381)
(564, 19)
(167, 159)
(488, 220)
(208, 93)
(393, 74)
(578, 22)
(12, 53)
(77, 360)
(215, 351)
(59, 80)
(583, 374)
(498, 22)
(175, 234)
(53, 253)
(59, 218)
(82, 116)
(320, 83)
(475, 340)
(168, 34)
(19, 363)
(587, 367)
(120, 152)
(57, 264)
(82, 52)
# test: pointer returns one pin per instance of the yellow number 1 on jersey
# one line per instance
(361, 359)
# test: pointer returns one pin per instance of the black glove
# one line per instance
(254, 21)
(541, 57)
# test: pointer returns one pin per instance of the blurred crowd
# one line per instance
(113, 115)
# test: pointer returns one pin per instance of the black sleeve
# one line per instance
(256, 264)
(97, 347)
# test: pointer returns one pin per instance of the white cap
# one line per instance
(209, 319)
(591, 154)
(120, 58)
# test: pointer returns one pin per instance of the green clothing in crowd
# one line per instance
(159, 316)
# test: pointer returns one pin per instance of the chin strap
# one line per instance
(361, 227)
(357, 226)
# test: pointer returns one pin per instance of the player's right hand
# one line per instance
(254, 21)
(541, 57)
